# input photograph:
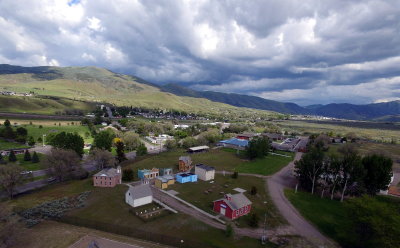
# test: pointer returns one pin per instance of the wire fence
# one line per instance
(131, 232)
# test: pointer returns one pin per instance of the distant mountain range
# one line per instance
(95, 84)
(386, 111)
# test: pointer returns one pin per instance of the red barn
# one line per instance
(233, 206)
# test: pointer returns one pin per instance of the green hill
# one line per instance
(94, 84)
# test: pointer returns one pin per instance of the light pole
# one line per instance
(44, 138)
(264, 236)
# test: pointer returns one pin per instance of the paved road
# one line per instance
(276, 184)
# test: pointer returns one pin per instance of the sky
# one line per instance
(307, 52)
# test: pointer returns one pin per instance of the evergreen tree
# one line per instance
(141, 150)
(12, 157)
(229, 230)
(120, 151)
(253, 222)
(27, 156)
(253, 190)
(31, 141)
(35, 158)
(127, 175)
(7, 123)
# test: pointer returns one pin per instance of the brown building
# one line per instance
(185, 163)
(107, 177)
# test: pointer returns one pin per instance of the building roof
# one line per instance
(140, 191)
(205, 167)
(198, 148)
(150, 171)
(273, 135)
(109, 172)
(248, 135)
(186, 159)
(185, 174)
(236, 142)
(237, 201)
(165, 178)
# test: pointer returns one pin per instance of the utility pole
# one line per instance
(44, 137)
(264, 236)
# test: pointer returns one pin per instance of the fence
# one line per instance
(131, 232)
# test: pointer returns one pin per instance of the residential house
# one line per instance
(107, 178)
(233, 206)
(148, 174)
(204, 172)
(185, 163)
(186, 177)
(139, 195)
(235, 143)
(163, 181)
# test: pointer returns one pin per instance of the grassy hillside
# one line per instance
(100, 85)
(42, 105)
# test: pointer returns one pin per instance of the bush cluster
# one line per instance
(53, 209)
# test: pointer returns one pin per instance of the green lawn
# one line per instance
(265, 166)
(4, 145)
(51, 192)
(195, 194)
(107, 205)
(220, 159)
(28, 165)
(328, 215)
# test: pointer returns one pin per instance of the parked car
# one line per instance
(26, 172)
(51, 179)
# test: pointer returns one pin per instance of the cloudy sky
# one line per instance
(304, 51)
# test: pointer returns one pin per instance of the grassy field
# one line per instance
(328, 215)
(221, 159)
(265, 166)
(195, 193)
(39, 105)
(52, 126)
(28, 165)
(107, 205)
(305, 127)
(4, 145)
(51, 192)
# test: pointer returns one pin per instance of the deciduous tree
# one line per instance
(102, 158)
(378, 173)
(62, 163)
(258, 148)
(10, 178)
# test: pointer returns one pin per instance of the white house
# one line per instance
(204, 172)
(139, 195)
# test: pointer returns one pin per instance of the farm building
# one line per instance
(233, 206)
(273, 136)
(185, 163)
(246, 136)
(204, 172)
(186, 177)
(198, 149)
(148, 174)
(107, 177)
(139, 195)
(165, 171)
(163, 181)
(235, 143)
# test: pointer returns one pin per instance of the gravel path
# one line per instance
(276, 184)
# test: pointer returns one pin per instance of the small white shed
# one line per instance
(204, 172)
(139, 195)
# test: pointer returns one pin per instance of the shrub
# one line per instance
(253, 190)
(127, 174)
(235, 175)
(253, 221)
(27, 156)
(229, 231)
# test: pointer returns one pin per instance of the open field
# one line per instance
(52, 126)
(51, 192)
(107, 205)
(328, 215)
(221, 159)
(42, 105)
(4, 145)
(28, 165)
(376, 133)
(265, 166)
(195, 194)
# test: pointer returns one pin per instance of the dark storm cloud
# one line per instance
(304, 51)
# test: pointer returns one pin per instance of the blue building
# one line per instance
(234, 143)
(186, 177)
(148, 174)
